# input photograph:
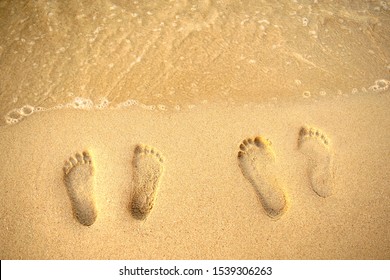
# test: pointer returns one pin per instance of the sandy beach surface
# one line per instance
(194, 130)
(205, 207)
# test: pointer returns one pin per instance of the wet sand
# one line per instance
(180, 53)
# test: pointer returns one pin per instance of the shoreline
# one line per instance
(79, 103)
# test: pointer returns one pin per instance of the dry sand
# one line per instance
(205, 207)
(262, 130)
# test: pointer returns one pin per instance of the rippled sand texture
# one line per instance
(179, 53)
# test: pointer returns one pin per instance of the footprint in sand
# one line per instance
(78, 177)
(147, 171)
(256, 160)
(315, 145)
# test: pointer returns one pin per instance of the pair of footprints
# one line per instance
(79, 176)
(256, 160)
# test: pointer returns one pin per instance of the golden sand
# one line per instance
(204, 208)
